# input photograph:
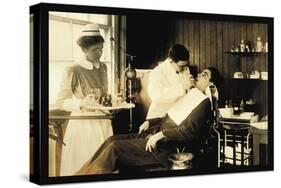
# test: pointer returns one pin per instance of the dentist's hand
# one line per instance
(189, 83)
(144, 126)
(152, 141)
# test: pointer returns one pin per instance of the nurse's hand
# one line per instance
(152, 141)
(144, 126)
(89, 100)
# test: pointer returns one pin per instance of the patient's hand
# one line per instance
(151, 143)
(144, 126)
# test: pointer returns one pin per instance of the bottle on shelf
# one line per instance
(232, 48)
(242, 46)
(248, 46)
(266, 47)
(259, 45)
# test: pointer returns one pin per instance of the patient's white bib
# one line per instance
(185, 105)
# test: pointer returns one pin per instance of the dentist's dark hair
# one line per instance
(178, 53)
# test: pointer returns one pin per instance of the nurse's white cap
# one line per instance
(90, 30)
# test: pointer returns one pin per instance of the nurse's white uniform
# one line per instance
(82, 137)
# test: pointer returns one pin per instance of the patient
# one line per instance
(184, 125)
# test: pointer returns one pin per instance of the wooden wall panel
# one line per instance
(208, 44)
(244, 61)
(225, 72)
(196, 42)
(191, 34)
(219, 47)
(202, 46)
(213, 46)
(266, 39)
(256, 62)
(181, 32)
(263, 34)
(186, 33)
(250, 40)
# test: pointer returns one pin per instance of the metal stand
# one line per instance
(131, 120)
(130, 74)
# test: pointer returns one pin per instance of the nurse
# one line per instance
(169, 81)
(83, 84)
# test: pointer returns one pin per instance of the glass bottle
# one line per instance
(230, 104)
(248, 47)
(241, 107)
(235, 109)
(259, 45)
(104, 101)
(109, 99)
(242, 46)
(266, 47)
(226, 104)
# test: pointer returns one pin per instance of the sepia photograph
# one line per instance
(130, 93)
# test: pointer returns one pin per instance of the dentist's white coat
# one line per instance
(165, 86)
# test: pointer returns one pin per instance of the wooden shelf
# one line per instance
(246, 53)
(252, 79)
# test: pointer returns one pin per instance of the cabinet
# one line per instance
(242, 85)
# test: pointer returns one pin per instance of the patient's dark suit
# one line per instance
(129, 149)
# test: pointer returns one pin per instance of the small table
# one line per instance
(58, 117)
